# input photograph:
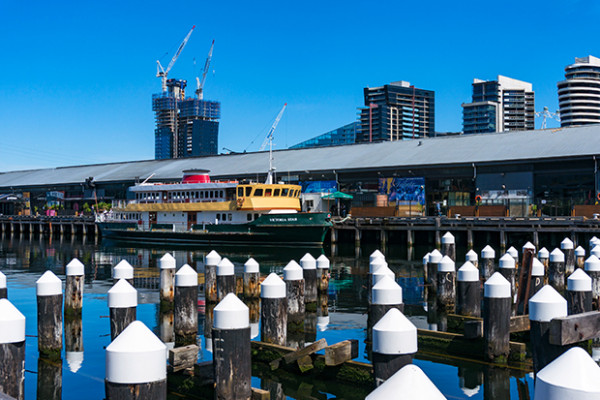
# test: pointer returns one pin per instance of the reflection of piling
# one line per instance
(12, 350)
(74, 343)
(3, 287)
(122, 303)
(323, 312)
(49, 379)
(231, 339)
(294, 283)
(323, 273)
(496, 383)
(446, 282)
(251, 279)
(568, 248)
(592, 268)
(74, 288)
(579, 257)
(496, 317)
(309, 268)
(208, 323)
(488, 255)
(468, 292)
(449, 246)
(225, 279)
(167, 333)
(556, 270)
(210, 276)
(123, 270)
(254, 310)
(186, 306)
(167, 265)
(273, 312)
(579, 292)
(49, 315)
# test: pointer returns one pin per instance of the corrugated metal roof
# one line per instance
(493, 147)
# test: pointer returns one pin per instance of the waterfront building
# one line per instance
(579, 93)
(165, 107)
(343, 135)
(502, 105)
(396, 111)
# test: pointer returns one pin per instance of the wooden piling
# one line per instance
(323, 274)
(122, 304)
(49, 315)
(387, 294)
(185, 312)
(225, 279)
(568, 249)
(210, 276)
(496, 318)
(251, 279)
(425, 261)
(472, 257)
(537, 277)
(74, 288)
(446, 282)
(579, 292)
(294, 283)
(594, 241)
(468, 292)
(3, 286)
(579, 257)
(374, 266)
(309, 268)
(488, 255)
(592, 268)
(556, 270)
(507, 268)
(123, 270)
(167, 265)
(449, 246)
(432, 266)
(12, 350)
(514, 253)
(273, 313)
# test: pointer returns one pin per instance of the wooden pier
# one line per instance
(48, 226)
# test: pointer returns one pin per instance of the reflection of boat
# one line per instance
(200, 211)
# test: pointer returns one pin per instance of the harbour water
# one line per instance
(24, 259)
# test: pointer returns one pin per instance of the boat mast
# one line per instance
(269, 139)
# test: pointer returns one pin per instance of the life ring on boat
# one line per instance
(240, 201)
(477, 199)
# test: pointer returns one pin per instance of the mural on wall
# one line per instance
(319, 186)
(403, 190)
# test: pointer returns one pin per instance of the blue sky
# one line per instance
(76, 78)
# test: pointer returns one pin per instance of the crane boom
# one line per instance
(200, 83)
(269, 139)
(163, 73)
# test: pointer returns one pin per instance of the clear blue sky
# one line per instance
(76, 78)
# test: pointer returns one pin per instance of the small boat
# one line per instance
(200, 211)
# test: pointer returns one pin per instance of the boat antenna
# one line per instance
(269, 140)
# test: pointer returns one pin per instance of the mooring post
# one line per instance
(514, 253)
(49, 315)
(136, 365)
(394, 345)
(210, 276)
(74, 343)
(12, 350)
(122, 303)
(472, 257)
(506, 266)
(468, 293)
(411, 382)
(592, 268)
(596, 250)
(543, 256)
(123, 270)
(594, 241)
(323, 274)
(225, 279)
(488, 255)
(273, 312)
(294, 283)
(3, 286)
(167, 265)
(556, 270)
(186, 306)
(449, 246)
(543, 307)
(568, 249)
(387, 294)
(74, 288)
(496, 317)
(446, 282)
(309, 268)
(374, 266)
(579, 257)
(432, 266)
(537, 277)
(251, 279)
(579, 292)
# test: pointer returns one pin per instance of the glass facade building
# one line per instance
(579, 93)
(343, 135)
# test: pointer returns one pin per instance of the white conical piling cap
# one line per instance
(593, 242)
(579, 252)
(506, 261)
(546, 305)
(488, 252)
(543, 254)
(471, 256)
(2, 280)
(322, 323)
(435, 256)
(557, 256)
(537, 268)
(376, 254)
(167, 262)
(394, 334)
(323, 262)
(496, 287)
(12, 323)
(529, 246)
(123, 270)
(122, 295)
(74, 359)
(410, 383)
(213, 258)
(75, 268)
(231, 313)
(567, 244)
(468, 273)
(448, 238)
(273, 287)
(381, 272)
(386, 291)
(446, 265)
(293, 272)
(308, 262)
(513, 252)
(48, 285)
(579, 281)
(592, 263)
(376, 264)
(225, 268)
(573, 375)
(186, 277)
(136, 356)
(426, 258)
(251, 266)
(595, 250)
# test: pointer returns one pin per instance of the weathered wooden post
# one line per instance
(514, 253)
(136, 365)
(507, 268)
(74, 343)
(468, 293)
(294, 283)
(472, 257)
(123, 270)
(579, 257)
(568, 249)
(556, 270)
(496, 317)
(309, 268)
(537, 277)
(579, 292)
(74, 288)
(167, 265)
(592, 268)
(488, 255)
(387, 294)
(323, 274)
(449, 246)
(543, 307)
(225, 279)
(573, 375)
(3, 287)
(273, 312)
(543, 255)
(210, 276)
(446, 282)
(231, 339)
(411, 382)
(49, 315)
(432, 266)
(122, 303)
(374, 266)
(251, 279)
(394, 345)
(12, 350)
(185, 313)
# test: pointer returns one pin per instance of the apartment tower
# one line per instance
(579, 93)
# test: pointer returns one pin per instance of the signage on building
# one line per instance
(403, 190)
(319, 186)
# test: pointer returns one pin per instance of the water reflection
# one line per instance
(74, 342)
(49, 379)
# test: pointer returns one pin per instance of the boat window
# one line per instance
(249, 217)
(255, 216)
(229, 217)
(276, 192)
(240, 192)
(224, 217)
(268, 192)
(202, 195)
(218, 217)
(221, 193)
(258, 192)
(248, 191)
(284, 191)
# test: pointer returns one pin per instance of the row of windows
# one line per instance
(178, 196)
(128, 216)
(248, 191)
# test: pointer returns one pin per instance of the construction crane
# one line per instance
(163, 73)
(547, 114)
(200, 83)
(269, 140)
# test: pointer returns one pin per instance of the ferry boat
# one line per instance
(200, 211)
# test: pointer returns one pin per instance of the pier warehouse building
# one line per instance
(544, 171)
